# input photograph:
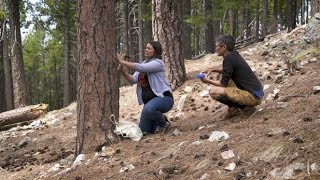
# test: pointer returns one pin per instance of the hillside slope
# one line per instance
(280, 141)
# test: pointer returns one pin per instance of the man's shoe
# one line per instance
(248, 111)
(163, 130)
(232, 112)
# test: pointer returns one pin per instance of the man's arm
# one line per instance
(216, 69)
(215, 83)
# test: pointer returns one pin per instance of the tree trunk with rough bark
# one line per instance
(186, 35)
(315, 7)
(167, 23)
(19, 79)
(98, 80)
(66, 79)
(7, 71)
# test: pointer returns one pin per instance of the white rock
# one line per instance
(313, 60)
(218, 136)
(230, 167)
(79, 159)
(204, 176)
(55, 168)
(203, 164)
(314, 167)
(266, 86)
(188, 89)
(227, 154)
(197, 143)
(316, 89)
(204, 93)
(176, 132)
(127, 168)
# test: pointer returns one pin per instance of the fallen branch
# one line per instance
(22, 114)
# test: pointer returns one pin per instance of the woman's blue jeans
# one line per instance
(151, 115)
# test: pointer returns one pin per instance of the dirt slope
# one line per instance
(280, 141)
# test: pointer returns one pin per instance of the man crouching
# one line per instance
(239, 88)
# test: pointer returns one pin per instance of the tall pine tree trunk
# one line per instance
(66, 79)
(209, 41)
(19, 79)
(125, 21)
(265, 18)
(98, 85)
(315, 7)
(7, 71)
(167, 22)
(289, 15)
(247, 19)
(257, 36)
(186, 29)
(140, 21)
(275, 17)
(232, 21)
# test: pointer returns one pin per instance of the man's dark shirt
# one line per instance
(237, 69)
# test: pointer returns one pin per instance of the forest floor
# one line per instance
(280, 141)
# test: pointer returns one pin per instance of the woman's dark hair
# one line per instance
(157, 49)
(227, 40)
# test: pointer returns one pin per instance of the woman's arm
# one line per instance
(127, 76)
(125, 63)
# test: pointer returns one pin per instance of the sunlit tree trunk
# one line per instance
(167, 25)
(98, 80)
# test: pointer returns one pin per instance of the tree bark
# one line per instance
(98, 80)
(257, 20)
(265, 18)
(209, 40)
(186, 35)
(289, 15)
(140, 21)
(125, 21)
(232, 21)
(7, 71)
(26, 113)
(19, 80)
(66, 79)
(247, 19)
(167, 22)
(315, 7)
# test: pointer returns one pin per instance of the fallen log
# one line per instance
(22, 114)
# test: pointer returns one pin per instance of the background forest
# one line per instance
(38, 61)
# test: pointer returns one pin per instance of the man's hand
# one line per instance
(205, 80)
(207, 71)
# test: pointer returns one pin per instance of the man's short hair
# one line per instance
(227, 40)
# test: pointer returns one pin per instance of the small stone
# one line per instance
(298, 140)
(307, 119)
(316, 89)
(224, 148)
(188, 89)
(230, 167)
(204, 136)
(240, 176)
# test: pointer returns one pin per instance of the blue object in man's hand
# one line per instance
(201, 76)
